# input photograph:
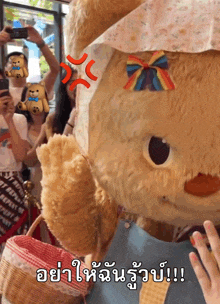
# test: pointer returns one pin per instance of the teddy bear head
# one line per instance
(18, 61)
(154, 151)
(35, 95)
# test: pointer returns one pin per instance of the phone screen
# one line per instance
(19, 33)
(4, 84)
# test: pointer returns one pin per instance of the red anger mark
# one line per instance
(77, 81)
(87, 70)
(77, 62)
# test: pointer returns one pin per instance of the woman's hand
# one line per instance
(5, 36)
(3, 102)
(31, 157)
(210, 283)
(18, 145)
(7, 107)
(33, 35)
(9, 112)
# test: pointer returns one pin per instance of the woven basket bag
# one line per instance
(23, 256)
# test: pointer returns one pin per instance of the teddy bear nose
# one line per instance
(203, 185)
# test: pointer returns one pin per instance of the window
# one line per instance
(44, 23)
(46, 16)
(65, 8)
(46, 4)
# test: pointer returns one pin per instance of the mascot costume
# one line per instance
(142, 169)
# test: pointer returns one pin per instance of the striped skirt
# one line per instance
(13, 213)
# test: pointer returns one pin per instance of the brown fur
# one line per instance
(65, 170)
(184, 117)
(121, 124)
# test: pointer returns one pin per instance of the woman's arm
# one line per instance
(31, 157)
(70, 124)
(54, 66)
(19, 146)
(68, 129)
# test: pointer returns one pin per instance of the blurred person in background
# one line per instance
(55, 123)
(16, 85)
(13, 150)
(65, 104)
(34, 131)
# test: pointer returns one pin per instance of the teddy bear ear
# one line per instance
(42, 83)
(12, 57)
(88, 19)
(22, 56)
(28, 84)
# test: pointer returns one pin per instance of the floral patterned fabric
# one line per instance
(182, 26)
(190, 26)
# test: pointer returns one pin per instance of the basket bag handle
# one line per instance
(31, 231)
(34, 225)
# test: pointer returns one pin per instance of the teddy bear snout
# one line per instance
(203, 185)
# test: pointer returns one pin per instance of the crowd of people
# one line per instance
(22, 132)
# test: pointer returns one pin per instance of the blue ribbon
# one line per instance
(16, 68)
(33, 99)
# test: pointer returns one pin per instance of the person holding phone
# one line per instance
(13, 149)
(16, 85)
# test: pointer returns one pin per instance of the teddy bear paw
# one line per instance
(59, 150)
(21, 106)
(35, 110)
(79, 165)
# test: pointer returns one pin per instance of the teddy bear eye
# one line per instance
(157, 150)
(37, 90)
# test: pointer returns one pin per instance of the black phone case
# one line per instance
(4, 84)
(19, 33)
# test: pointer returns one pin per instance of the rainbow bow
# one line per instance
(152, 75)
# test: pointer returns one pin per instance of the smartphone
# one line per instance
(4, 85)
(18, 33)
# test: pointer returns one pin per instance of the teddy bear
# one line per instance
(36, 101)
(141, 169)
(19, 69)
